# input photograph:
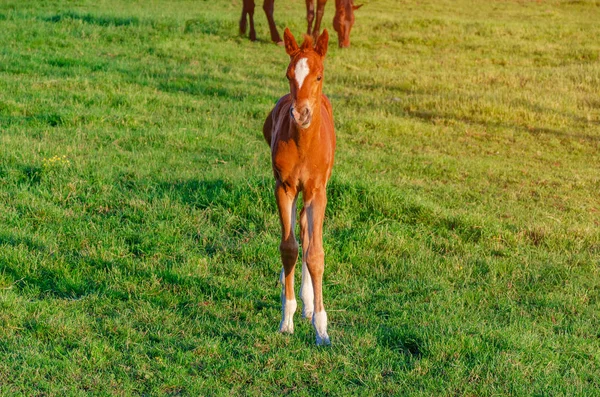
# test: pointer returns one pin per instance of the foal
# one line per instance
(300, 132)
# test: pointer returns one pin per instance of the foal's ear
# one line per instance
(321, 47)
(291, 47)
(357, 7)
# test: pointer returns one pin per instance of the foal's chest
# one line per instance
(295, 167)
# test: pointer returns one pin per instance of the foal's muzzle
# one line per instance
(302, 116)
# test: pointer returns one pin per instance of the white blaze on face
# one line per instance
(302, 71)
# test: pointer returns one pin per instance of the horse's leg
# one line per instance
(269, 7)
(306, 289)
(286, 203)
(243, 20)
(320, 12)
(310, 14)
(315, 202)
(249, 9)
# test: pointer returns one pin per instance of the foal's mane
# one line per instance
(307, 44)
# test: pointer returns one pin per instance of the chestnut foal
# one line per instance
(300, 132)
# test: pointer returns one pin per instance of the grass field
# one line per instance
(138, 229)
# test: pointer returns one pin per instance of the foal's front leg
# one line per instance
(315, 203)
(286, 203)
(306, 289)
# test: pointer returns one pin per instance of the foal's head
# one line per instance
(344, 20)
(305, 74)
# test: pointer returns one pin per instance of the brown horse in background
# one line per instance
(248, 9)
(342, 21)
(300, 133)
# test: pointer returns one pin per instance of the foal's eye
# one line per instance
(319, 78)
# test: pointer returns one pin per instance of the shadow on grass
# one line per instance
(247, 208)
(202, 25)
(100, 20)
(15, 241)
(207, 85)
(236, 196)
(373, 204)
(357, 200)
(210, 26)
(58, 276)
(41, 119)
(433, 116)
(545, 110)
(72, 275)
(402, 341)
(239, 209)
(403, 91)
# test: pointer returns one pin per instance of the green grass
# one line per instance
(138, 229)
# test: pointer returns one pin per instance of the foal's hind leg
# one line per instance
(306, 289)
(286, 203)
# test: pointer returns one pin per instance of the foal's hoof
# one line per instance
(307, 315)
(320, 324)
(323, 340)
(286, 328)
